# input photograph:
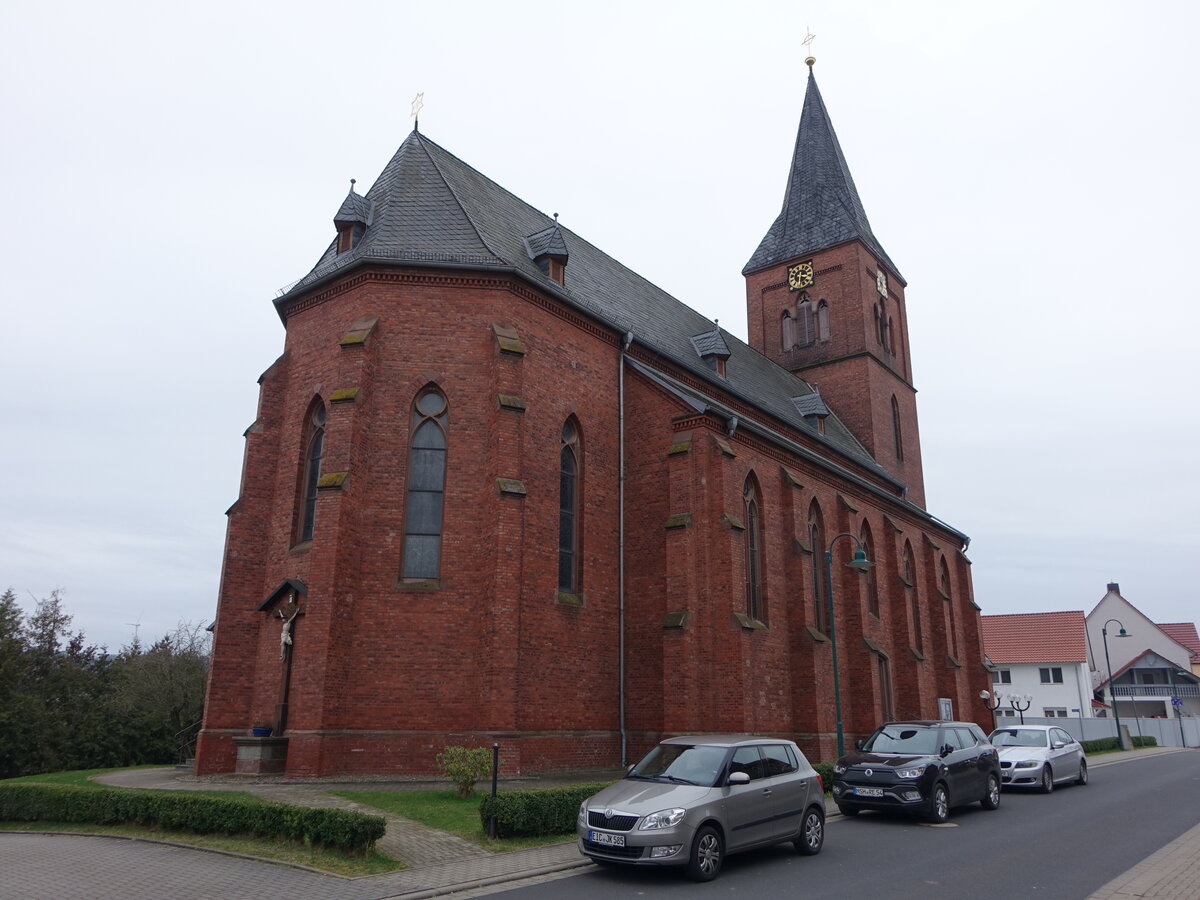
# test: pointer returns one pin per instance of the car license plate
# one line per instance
(603, 837)
(868, 792)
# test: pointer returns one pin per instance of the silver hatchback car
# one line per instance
(692, 800)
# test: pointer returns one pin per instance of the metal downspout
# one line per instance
(621, 546)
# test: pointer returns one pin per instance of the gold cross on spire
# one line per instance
(809, 37)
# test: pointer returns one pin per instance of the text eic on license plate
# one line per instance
(868, 792)
(601, 837)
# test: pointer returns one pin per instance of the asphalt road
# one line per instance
(1062, 845)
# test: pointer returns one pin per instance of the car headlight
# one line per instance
(664, 818)
(1028, 764)
(839, 769)
(583, 813)
(914, 772)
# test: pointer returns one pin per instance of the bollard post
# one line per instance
(495, 771)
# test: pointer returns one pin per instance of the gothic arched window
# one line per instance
(426, 487)
(788, 330)
(310, 472)
(897, 434)
(568, 509)
(872, 581)
(754, 551)
(910, 593)
(816, 536)
(822, 321)
(805, 327)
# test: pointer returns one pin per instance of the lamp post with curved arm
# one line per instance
(860, 563)
(1108, 662)
(986, 697)
(1015, 700)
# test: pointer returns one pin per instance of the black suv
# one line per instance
(920, 767)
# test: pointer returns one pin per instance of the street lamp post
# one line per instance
(986, 698)
(860, 563)
(1108, 662)
(1015, 703)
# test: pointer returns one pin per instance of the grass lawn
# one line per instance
(281, 851)
(446, 811)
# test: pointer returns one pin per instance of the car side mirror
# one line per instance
(630, 769)
(1058, 745)
(858, 745)
(738, 778)
(945, 751)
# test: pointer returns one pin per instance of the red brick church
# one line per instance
(500, 488)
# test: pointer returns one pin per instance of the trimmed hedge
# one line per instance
(350, 832)
(825, 770)
(1101, 744)
(534, 813)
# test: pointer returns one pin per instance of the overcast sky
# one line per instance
(1029, 166)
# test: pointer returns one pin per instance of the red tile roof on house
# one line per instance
(1183, 633)
(1035, 637)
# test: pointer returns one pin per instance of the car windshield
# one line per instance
(911, 739)
(681, 763)
(1019, 737)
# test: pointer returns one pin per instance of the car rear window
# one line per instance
(779, 760)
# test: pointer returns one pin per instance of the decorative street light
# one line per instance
(1014, 700)
(860, 563)
(992, 707)
(1111, 691)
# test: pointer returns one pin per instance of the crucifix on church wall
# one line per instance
(287, 643)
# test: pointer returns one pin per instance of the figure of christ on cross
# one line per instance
(286, 643)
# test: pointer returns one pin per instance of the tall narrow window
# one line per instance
(914, 602)
(754, 550)
(314, 450)
(805, 332)
(426, 486)
(897, 434)
(872, 580)
(816, 535)
(788, 330)
(568, 510)
(822, 321)
(886, 707)
(944, 588)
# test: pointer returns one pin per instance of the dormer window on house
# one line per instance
(352, 220)
(548, 250)
(711, 347)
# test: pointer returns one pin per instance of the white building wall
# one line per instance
(1143, 635)
(1074, 694)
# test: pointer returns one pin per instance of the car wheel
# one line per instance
(1047, 779)
(1082, 779)
(812, 833)
(704, 863)
(848, 811)
(939, 804)
(991, 797)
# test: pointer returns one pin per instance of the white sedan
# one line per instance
(1039, 755)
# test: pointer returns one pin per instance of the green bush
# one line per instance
(534, 813)
(1145, 741)
(350, 832)
(1099, 745)
(825, 770)
(463, 766)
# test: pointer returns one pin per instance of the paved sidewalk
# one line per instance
(439, 863)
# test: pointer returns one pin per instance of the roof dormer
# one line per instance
(352, 219)
(711, 347)
(548, 249)
(813, 408)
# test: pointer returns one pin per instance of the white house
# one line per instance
(1039, 664)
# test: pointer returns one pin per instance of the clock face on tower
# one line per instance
(800, 275)
(881, 282)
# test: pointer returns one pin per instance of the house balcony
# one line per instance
(1155, 690)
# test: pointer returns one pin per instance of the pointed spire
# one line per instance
(821, 207)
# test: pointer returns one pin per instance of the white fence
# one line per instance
(1165, 731)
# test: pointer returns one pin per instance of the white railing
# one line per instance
(1155, 690)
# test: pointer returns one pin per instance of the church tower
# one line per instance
(826, 302)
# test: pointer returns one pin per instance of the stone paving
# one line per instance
(69, 866)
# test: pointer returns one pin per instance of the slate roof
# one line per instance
(821, 207)
(710, 344)
(1035, 637)
(547, 242)
(1183, 633)
(355, 208)
(430, 208)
